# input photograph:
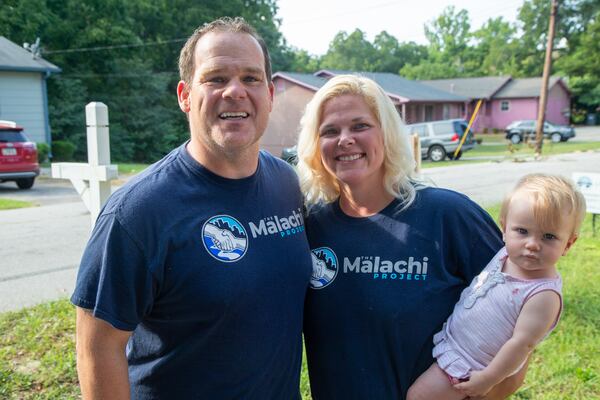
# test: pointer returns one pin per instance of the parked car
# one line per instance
(518, 131)
(440, 139)
(18, 156)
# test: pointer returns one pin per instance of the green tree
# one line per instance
(124, 53)
(496, 48)
(350, 51)
(301, 61)
(582, 67)
(533, 18)
(449, 53)
(392, 55)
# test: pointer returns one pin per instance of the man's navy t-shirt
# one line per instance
(382, 286)
(209, 273)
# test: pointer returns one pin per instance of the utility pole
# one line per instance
(541, 117)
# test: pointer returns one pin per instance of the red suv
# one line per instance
(18, 156)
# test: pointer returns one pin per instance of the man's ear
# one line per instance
(271, 93)
(183, 96)
(570, 243)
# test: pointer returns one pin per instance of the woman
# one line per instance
(390, 257)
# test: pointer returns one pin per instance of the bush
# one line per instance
(578, 116)
(42, 150)
(62, 150)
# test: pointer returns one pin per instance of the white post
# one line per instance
(92, 180)
(98, 145)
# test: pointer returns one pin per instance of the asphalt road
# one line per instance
(42, 246)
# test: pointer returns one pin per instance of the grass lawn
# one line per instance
(528, 149)
(8, 204)
(130, 168)
(37, 351)
(504, 151)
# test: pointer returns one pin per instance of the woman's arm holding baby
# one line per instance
(507, 387)
(536, 318)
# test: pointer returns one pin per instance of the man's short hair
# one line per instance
(226, 24)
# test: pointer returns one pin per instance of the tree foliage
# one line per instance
(124, 53)
(582, 65)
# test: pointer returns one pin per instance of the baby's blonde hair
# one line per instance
(553, 197)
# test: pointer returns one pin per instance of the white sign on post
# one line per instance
(92, 180)
(589, 185)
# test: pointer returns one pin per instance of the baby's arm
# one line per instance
(535, 320)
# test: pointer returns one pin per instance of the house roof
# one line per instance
(15, 58)
(309, 81)
(402, 89)
(527, 87)
(474, 88)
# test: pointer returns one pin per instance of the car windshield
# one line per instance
(11, 136)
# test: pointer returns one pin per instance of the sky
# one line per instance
(312, 24)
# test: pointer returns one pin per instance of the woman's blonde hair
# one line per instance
(319, 185)
(554, 197)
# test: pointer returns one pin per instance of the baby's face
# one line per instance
(534, 251)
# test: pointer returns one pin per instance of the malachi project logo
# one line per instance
(411, 269)
(325, 267)
(225, 238)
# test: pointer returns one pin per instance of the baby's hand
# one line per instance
(477, 385)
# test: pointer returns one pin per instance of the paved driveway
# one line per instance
(42, 246)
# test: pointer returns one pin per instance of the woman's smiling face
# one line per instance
(351, 142)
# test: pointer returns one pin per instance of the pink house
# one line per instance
(506, 99)
(519, 99)
(414, 101)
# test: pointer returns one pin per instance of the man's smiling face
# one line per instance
(229, 98)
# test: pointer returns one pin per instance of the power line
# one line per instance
(117, 75)
(312, 19)
(117, 46)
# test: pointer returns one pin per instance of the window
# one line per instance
(419, 130)
(428, 113)
(446, 112)
(504, 105)
(443, 128)
(528, 124)
(460, 127)
(11, 136)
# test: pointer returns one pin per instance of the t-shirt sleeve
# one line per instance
(114, 280)
(476, 239)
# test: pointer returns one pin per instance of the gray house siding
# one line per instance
(22, 100)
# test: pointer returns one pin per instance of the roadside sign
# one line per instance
(589, 185)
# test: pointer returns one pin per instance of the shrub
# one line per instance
(42, 150)
(578, 116)
(62, 150)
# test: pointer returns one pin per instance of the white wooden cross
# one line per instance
(92, 180)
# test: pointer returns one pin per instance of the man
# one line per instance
(192, 284)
